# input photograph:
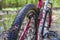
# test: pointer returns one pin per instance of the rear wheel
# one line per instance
(28, 12)
(47, 22)
(44, 24)
(48, 18)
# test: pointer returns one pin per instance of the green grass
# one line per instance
(9, 18)
(12, 9)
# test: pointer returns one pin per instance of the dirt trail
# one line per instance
(56, 21)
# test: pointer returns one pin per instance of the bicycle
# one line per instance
(33, 23)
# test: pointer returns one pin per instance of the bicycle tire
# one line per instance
(43, 26)
(46, 23)
(47, 18)
(14, 30)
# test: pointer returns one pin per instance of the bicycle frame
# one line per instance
(43, 16)
(39, 6)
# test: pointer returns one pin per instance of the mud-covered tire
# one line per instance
(18, 21)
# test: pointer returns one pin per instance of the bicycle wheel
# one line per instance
(28, 12)
(47, 22)
(44, 23)
(48, 18)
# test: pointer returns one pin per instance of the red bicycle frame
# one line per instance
(25, 29)
(39, 6)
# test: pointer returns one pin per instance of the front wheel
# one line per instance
(26, 16)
